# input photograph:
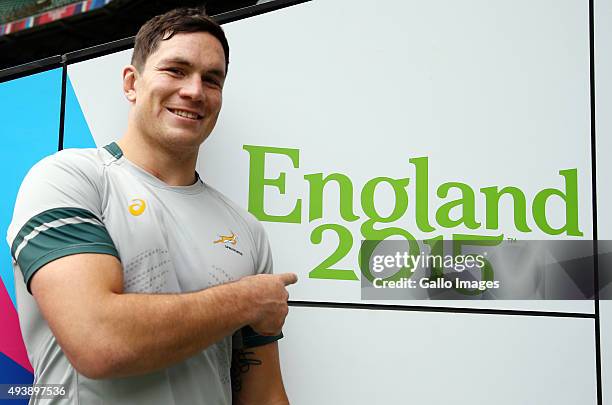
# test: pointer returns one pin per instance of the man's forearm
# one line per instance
(146, 332)
(105, 332)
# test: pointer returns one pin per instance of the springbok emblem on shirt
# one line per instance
(227, 239)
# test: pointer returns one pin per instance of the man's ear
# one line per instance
(130, 76)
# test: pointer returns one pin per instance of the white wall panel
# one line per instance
(361, 87)
(362, 357)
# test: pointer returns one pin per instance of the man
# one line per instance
(140, 273)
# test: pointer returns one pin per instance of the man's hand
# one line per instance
(268, 296)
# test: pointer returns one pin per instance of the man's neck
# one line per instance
(173, 168)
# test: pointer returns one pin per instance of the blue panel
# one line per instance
(13, 373)
(29, 113)
(76, 130)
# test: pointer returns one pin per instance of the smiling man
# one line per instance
(134, 279)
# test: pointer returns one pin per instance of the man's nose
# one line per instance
(192, 88)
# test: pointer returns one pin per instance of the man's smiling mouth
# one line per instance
(185, 114)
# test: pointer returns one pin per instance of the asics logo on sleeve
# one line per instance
(137, 206)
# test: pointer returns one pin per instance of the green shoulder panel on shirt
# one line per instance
(47, 217)
(114, 150)
(57, 233)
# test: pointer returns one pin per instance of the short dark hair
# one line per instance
(164, 26)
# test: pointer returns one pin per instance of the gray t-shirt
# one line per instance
(169, 239)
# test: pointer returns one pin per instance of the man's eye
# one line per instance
(175, 71)
(213, 81)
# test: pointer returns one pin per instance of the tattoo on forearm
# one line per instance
(242, 361)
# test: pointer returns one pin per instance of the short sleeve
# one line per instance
(58, 212)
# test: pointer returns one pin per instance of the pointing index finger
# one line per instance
(288, 278)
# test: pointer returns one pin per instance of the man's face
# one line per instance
(177, 94)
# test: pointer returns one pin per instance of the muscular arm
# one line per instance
(106, 333)
(261, 382)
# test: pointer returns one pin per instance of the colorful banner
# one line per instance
(52, 15)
